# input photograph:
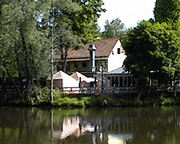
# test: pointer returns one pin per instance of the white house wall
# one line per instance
(116, 60)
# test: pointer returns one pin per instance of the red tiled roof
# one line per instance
(103, 49)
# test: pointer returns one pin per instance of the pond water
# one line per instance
(145, 125)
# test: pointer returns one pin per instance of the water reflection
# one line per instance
(91, 126)
(72, 126)
(119, 138)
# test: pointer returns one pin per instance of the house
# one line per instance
(65, 82)
(107, 54)
(103, 61)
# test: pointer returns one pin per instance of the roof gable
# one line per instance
(103, 49)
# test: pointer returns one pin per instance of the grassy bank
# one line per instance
(70, 101)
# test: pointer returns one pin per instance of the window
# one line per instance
(84, 65)
(75, 65)
(68, 68)
(118, 51)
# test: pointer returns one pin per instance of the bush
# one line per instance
(88, 101)
(44, 98)
(166, 101)
(68, 102)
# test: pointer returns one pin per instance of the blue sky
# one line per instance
(130, 12)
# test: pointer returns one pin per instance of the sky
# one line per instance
(130, 12)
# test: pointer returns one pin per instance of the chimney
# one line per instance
(92, 53)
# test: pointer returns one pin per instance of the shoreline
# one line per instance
(86, 101)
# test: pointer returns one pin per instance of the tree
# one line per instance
(167, 11)
(25, 36)
(85, 21)
(24, 46)
(115, 28)
(75, 22)
(153, 50)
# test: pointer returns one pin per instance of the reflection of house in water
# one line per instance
(72, 126)
(78, 126)
(113, 130)
(119, 138)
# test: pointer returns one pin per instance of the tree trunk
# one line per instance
(27, 61)
(139, 94)
(65, 59)
(3, 97)
(19, 68)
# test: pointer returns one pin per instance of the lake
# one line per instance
(146, 125)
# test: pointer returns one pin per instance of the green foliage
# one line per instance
(152, 50)
(74, 22)
(85, 22)
(105, 101)
(125, 102)
(26, 33)
(24, 47)
(167, 11)
(177, 100)
(44, 98)
(72, 101)
(166, 101)
(68, 102)
(89, 101)
(115, 28)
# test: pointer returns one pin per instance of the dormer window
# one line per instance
(118, 50)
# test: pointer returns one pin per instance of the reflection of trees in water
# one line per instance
(22, 126)
(158, 126)
(148, 125)
(144, 125)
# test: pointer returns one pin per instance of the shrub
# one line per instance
(68, 102)
(44, 98)
(88, 101)
(166, 101)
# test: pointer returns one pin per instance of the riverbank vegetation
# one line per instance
(65, 100)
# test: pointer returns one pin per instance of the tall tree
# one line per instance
(153, 50)
(25, 48)
(85, 21)
(115, 28)
(167, 11)
(75, 22)
(25, 34)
